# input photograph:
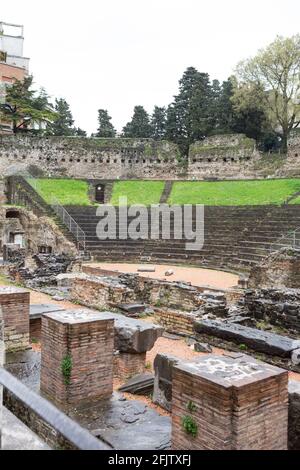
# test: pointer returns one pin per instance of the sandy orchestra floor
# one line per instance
(196, 276)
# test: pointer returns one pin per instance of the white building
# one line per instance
(11, 45)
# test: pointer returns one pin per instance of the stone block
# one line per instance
(133, 336)
(258, 340)
(163, 368)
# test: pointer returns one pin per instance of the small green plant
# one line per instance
(66, 368)
(262, 325)
(143, 315)
(190, 426)
(34, 341)
(148, 365)
(191, 406)
(243, 347)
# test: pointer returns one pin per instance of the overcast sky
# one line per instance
(115, 54)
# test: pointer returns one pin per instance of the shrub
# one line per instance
(190, 426)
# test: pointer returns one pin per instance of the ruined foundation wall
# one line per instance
(37, 231)
(104, 292)
(222, 157)
(85, 157)
(279, 307)
(177, 322)
(232, 155)
(279, 269)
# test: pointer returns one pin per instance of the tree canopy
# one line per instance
(276, 69)
(139, 126)
(26, 107)
(64, 124)
(158, 123)
(105, 127)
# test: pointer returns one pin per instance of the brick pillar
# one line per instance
(15, 309)
(127, 365)
(77, 356)
(231, 403)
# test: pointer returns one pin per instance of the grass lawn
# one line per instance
(66, 191)
(137, 192)
(295, 201)
(234, 193)
(4, 281)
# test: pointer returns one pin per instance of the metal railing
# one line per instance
(38, 413)
(289, 240)
(60, 211)
(74, 435)
(69, 222)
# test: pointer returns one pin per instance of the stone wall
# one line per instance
(174, 321)
(280, 269)
(89, 157)
(279, 307)
(225, 156)
(100, 292)
(293, 158)
(215, 156)
(104, 292)
(36, 231)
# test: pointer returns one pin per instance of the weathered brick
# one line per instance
(238, 403)
(15, 309)
(88, 340)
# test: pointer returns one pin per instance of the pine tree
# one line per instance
(79, 132)
(190, 117)
(225, 111)
(139, 126)
(64, 124)
(24, 107)
(105, 129)
(158, 123)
